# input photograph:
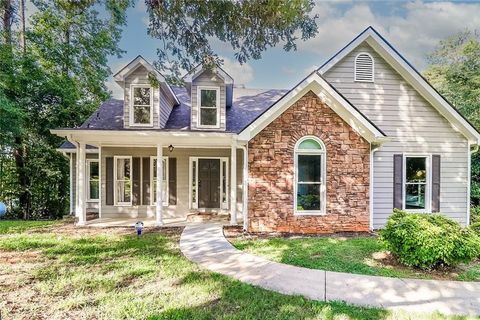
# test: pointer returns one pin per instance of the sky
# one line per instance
(413, 28)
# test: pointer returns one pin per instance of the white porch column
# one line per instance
(72, 204)
(81, 202)
(233, 184)
(159, 205)
(100, 181)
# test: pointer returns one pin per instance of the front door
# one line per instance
(209, 183)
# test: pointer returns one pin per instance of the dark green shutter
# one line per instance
(172, 181)
(136, 181)
(398, 181)
(146, 181)
(109, 180)
(436, 183)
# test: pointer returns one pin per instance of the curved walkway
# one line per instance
(206, 245)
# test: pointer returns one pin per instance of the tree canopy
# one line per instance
(188, 28)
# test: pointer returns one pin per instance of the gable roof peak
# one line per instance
(398, 62)
(199, 69)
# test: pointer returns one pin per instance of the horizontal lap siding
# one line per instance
(166, 105)
(182, 155)
(208, 79)
(140, 76)
(413, 125)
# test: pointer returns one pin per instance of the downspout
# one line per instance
(373, 149)
(245, 187)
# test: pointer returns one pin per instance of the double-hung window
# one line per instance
(123, 180)
(416, 183)
(93, 180)
(153, 170)
(309, 176)
(142, 106)
(209, 107)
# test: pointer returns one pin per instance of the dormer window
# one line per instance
(364, 67)
(141, 110)
(209, 107)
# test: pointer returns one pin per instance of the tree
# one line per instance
(188, 27)
(52, 74)
(454, 69)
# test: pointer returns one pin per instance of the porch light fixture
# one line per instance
(170, 148)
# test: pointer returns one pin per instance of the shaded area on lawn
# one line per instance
(360, 255)
(64, 272)
(14, 226)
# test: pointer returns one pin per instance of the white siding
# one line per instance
(208, 79)
(414, 127)
(140, 76)
(92, 206)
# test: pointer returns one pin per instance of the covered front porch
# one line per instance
(125, 183)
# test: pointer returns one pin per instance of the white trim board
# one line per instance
(399, 64)
(319, 86)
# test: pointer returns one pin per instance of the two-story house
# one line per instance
(363, 134)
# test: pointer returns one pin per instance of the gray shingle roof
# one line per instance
(247, 105)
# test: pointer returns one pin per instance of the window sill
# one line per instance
(93, 200)
(141, 125)
(309, 213)
(123, 204)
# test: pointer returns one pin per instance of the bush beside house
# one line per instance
(429, 240)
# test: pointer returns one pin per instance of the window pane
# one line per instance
(224, 182)
(94, 170)
(415, 196)
(310, 144)
(123, 191)
(208, 117)
(94, 190)
(154, 168)
(309, 168)
(194, 181)
(123, 169)
(141, 114)
(141, 96)
(164, 170)
(416, 169)
(208, 98)
(308, 197)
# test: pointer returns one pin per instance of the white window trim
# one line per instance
(115, 202)
(165, 178)
(323, 185)
(131, 113)
(355, 68)
(428, 184)
(89, 161)
(194, 205)
(199, 101)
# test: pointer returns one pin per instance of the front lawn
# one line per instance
(361, 255)
(62, 272)
(13, 226)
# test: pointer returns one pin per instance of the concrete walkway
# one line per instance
(206, 245)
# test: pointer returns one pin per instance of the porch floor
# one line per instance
(150, 222)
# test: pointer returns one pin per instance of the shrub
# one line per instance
(429, 240)
(474, 214)
(476, 228)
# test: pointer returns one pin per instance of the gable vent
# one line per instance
(364, 67)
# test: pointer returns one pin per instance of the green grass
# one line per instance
(360, 255)
(64, 272)
(13, 226)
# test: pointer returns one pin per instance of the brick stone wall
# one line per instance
(271, 170)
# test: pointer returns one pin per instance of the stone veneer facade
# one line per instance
(271, 171)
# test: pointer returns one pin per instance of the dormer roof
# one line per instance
(121, 75)
(199, 69)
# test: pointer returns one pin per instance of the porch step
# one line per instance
(207, 216)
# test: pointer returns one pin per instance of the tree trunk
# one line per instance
(23, 178)
(7, 19)
(22, 23)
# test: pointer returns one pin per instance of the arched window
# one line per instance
(364, 67)
(310, 165)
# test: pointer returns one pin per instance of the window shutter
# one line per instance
(136, 181)
(146, 181)
(364, 67)
(436, 183)
(397, 181)
(172, 181)
(109, 181)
